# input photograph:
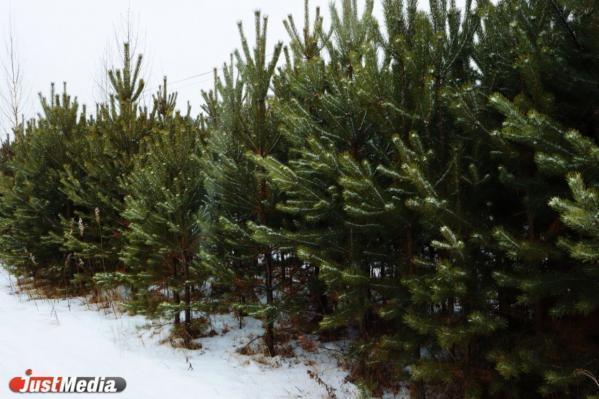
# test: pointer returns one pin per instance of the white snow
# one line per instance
(70, 338)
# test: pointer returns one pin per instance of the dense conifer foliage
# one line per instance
(425, 185)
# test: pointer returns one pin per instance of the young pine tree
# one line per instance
(242, 126)
(327, 113)
(431, 276)
(32, 202)
(93, 234)
(547, 91)
(165, 198)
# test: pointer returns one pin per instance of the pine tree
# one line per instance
(32, 202)
(332, 118)
(426, 198)
(547, 89)
(427, 187)
(373, 191)
(93, 235)
(163, 205)
(322, 118)
(552, 273)
(243, 124)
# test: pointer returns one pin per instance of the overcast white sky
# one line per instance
(67, 40)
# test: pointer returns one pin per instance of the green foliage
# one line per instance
(163, 206)
(93, 234)
(426, 185)
(244, 130)
(32, 200)
(546, 140)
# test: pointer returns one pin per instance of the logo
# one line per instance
(31, 384)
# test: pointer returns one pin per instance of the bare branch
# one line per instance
(12, 96)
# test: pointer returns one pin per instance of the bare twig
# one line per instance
(12, 97)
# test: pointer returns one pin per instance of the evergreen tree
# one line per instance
(93, 235)
(242, 124)
(427, 187)
(547, 96)
(32, 202)
(329, 115)
(427, 201)
(163, 205)
(332, 116)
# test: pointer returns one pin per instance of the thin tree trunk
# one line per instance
(283, 273)
(269, 336)
(187, 295)
(240, 313)
(176, 297)
(320, 295)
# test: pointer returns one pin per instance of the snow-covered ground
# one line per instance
(70, 338)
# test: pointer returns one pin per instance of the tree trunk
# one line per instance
(269, 336)
(240, 313)
(187, 295)
(319, 294)
(176, 297)
(283, 278)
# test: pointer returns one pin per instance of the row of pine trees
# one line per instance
(426, 185)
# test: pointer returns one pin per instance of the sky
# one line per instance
(74, 40)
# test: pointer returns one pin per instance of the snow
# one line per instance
(68, 337)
